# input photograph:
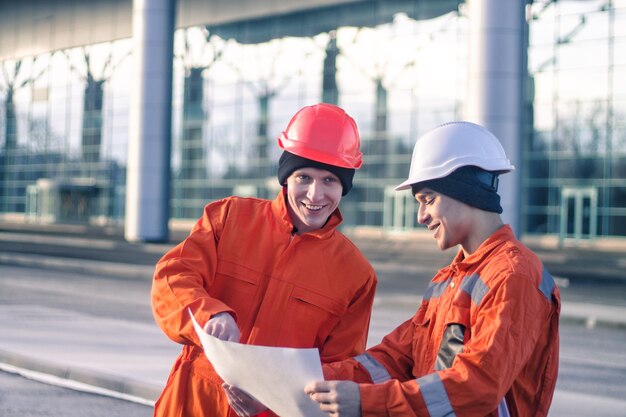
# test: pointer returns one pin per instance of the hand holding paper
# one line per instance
(243, 404)
(223, 326)
(274, 376)
(336, 397)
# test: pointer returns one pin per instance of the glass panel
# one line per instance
(582, 84)
(596, 53)
(66, 114)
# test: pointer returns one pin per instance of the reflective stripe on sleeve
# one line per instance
(435, 289)
(377, 371)
(547, 284)
(503, 410)
(435, 396)
(475, 287)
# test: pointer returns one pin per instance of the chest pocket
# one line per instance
(456, 333)
(237, 287)
(439, 334)
(309, 318)
(457, 325)
(423, 328)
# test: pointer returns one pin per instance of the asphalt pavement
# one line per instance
(34, 341)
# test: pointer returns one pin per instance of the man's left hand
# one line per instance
(337, 398)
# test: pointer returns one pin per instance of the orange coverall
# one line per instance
(309, 290)
(484, 342)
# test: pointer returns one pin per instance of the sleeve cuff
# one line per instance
(373, 400)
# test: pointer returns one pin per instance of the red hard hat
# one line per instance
(323, 133)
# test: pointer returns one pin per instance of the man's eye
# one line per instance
(426, 201)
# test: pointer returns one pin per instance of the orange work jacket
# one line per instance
(241, 257)
(484, 342)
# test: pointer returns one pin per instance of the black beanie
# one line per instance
(469, 184)
(289, 162)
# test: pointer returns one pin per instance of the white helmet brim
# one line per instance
(442, 150)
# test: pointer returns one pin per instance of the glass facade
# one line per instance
(64, 124)
(575, 155)
(64, 114)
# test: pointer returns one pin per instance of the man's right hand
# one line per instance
(223, 326)
(242, 403)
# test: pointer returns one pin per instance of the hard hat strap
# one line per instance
(490, 179)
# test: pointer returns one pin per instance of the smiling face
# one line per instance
(312, 195)
(449, 220)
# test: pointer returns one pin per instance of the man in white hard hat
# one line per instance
(484, 341)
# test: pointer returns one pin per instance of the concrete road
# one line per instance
(591, 380)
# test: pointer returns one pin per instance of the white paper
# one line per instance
(274, 376)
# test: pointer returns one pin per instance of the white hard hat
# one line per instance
(442, 150)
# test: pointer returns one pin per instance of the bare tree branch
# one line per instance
(73, 68)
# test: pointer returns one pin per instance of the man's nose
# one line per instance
(315, 191)
(422, 216)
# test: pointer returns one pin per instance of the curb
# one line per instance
(588, 315)
(80, 266)
(79, 379)
(591, 315)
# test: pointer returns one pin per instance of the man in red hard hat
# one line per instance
(484, 341)
(271, 273)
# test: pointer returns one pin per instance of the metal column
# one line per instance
(148, 168)
(497, 72)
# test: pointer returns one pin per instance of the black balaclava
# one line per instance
(289, 162)
(469, 184)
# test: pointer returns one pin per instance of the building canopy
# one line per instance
(311, 22)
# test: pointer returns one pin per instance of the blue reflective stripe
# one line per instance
(475, 287)
(435, 396)
(503, 410)
(435, 289)
(377, 371)
(547, 284)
